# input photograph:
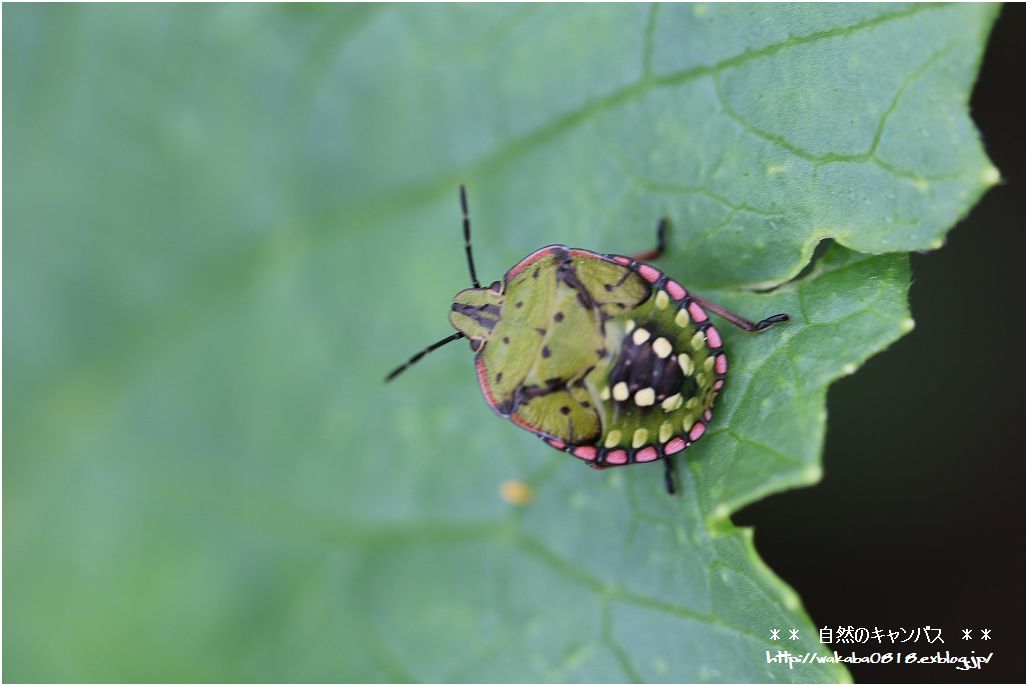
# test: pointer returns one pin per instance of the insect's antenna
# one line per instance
(467, 236)
(438, 344)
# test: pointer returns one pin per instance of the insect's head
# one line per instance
(476, 311)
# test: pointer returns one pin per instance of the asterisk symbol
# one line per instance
(985, 635)
(967, 634)
(774, 634)
(794, 634)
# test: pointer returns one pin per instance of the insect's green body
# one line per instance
(603, 356)
(586, 351)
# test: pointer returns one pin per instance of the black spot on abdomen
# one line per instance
(640, 367)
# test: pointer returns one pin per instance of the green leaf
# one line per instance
(224, 224)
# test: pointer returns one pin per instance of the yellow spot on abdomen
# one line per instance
(698, 341)
(661, 300)
(645, 397)
(665, 431)
(682, 318)
(640, 336)
(685, 362)
(620, 391)
(672, 403)
(629, 325)
(639, 437)
(613, 438)
(662, 347)
(605, 393)
(516, 492)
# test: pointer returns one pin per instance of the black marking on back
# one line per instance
(621, 282)
(522, 394)
(566, 273)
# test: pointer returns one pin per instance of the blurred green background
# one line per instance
(223, 225)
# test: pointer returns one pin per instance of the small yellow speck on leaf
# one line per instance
(516, 492)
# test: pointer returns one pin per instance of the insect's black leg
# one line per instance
(655, 253)
(438, 344)
(741, 322)
(467, 236)
(669, 474)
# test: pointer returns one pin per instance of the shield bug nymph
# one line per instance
(602, 356)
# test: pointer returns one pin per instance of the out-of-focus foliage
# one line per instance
(225, 223)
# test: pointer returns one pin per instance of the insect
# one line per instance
(602, 356)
